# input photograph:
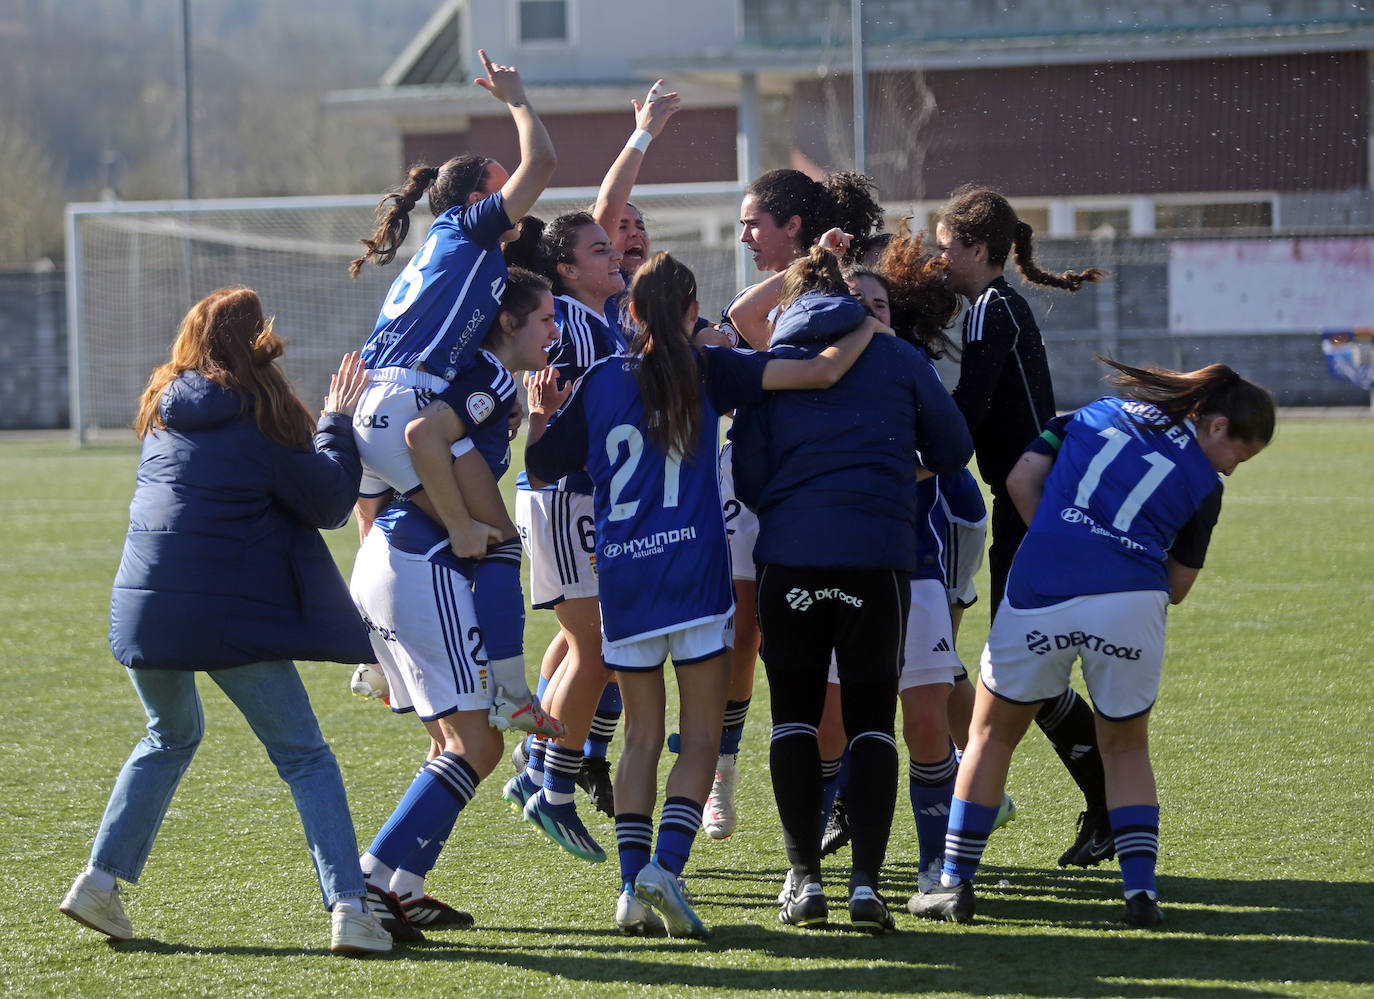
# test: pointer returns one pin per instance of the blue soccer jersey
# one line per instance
(482, 397)
(1118, 495)
(663, 562)
(440, 306)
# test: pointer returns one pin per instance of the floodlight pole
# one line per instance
(856, 22)
(187, 186)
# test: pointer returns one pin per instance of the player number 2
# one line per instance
(633, 440)
(1160, 466)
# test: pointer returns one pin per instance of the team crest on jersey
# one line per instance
(480, 406)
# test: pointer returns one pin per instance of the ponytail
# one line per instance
(448, 185)
(845, 199)
(817, 271)
(666, 368)
(1215, 390)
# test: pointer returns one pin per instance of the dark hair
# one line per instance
(817, 271)
(923, 306)
(666, 368)
(524, 291)
(981, 215)
(845, 199)
(226, 338)
(1215, 390)
(541, 247)
(448, 185)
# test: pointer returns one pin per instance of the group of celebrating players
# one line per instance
(835, 535)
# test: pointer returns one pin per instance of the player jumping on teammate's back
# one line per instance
(1122, 499)
(645, 427)
(1006, 395)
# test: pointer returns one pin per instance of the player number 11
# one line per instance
(1160, 466)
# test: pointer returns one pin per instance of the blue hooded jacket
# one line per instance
(223, 564)
(832, 473)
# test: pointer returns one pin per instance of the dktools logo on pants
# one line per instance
(799, 599)
(1040, 643)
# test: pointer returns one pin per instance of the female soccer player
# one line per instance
(832, 476)
(1006, 395)
(556, 528)
(420, 600)
(437, 312)
(645, 428)
(1120, 520)
(224, 571)
(783, 213)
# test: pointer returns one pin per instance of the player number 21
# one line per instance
(1160, 466)
(633, 441)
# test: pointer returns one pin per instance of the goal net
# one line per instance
(134, 268)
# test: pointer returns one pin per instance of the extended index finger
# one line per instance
(486, 63)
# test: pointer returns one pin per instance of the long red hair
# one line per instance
(226, 338)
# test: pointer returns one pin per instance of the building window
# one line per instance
(543, 21)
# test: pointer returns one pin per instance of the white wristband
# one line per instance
(640, 139)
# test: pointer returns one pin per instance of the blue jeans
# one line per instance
(273, 700)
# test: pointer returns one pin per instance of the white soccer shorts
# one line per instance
(423, 628)
(741, 525)
(559, 535)
(389, 401)
(692, 644)
(1119, 637)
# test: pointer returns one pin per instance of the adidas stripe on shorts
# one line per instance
(424, 632)
(1119, 637)
(558, 532)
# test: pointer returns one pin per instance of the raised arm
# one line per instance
(537, 158)
(748, 313)
(827, 367)
(650, 118)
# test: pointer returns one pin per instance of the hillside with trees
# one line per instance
(90, 103)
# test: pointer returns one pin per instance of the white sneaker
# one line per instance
(719, 817)
(634, 917)
(100, 910)
(370, 681)
(522, 713)
(929, 876)
(352, 931)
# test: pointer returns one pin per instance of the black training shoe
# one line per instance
(836, 832)
(1094, 843)
(805, 906)
(867, 911)
(428, 911)
(387, 910)
(1142, 912)
(595, 779)
(954, 904)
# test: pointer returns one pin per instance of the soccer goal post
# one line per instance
(134, 268)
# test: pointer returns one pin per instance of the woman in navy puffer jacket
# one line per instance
(224, 571)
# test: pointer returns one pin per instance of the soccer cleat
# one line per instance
(953, 904)
(562, 824)
(664, 891)
(428, 912)
(387, 911)
(369, 681)
(519, 790)
(836, 832)
(787, 883)
(521, 713)
(1094, 843)
(929, 875)
(1006, 812)
(595, 779)
(719, 817)
(867, 911)
(805, 905)
(520, 759)
(634, 917)
(1142, 912)
(100, 910)
(354, 932)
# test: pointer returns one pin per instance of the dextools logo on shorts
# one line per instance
(1040, 643)
(798, 599)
